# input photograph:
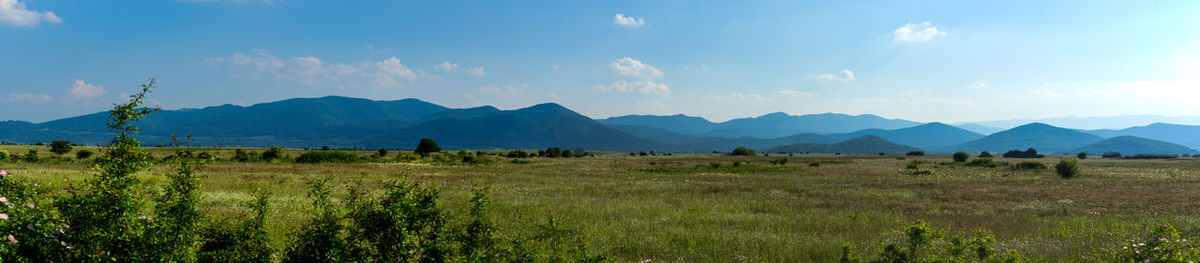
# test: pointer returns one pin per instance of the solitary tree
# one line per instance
(382, 152)
(427, 146)
(60, 147)
(960, 157)
(742, 151)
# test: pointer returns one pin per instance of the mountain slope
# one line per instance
(861, 145)
(1186, 135)
(1043, 137)
(679, 123)
(926, 136)
(1130, 145)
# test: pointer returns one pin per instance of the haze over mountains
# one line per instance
(362, 123)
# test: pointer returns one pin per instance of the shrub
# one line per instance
(742, 151)
(382, 152)
(83, 154)
(914, 164)
(1081, 155)
(427, 146)
(983, 162)
(1164, 244)
(1067, 168)
(327, 157)
(1029, 153)
(924, 244)
(245, 241)
(1111, 155)
(60, 147)
(960, 157)
(553, 152)
(780, 161)
(31, 156)
(985, 154)
(4, 155)
(915, 153)
(522, 154)
(275, 152)
(1150, 156)
(1029, 165)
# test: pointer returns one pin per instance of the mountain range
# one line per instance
(362, 123)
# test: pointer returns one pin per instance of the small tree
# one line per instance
(985, 154)
(381, 152)
(1081, 155)
(915, 153)
(271, 154)
(60, 147)
(1067, 168)
(961, 157)
(742, 151)
(427, 146)
(83, 154)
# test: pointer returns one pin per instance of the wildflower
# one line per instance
(29, 226)
(29, 205)
(645, 261)
(1155, 248)
(3, 173)
(1125, 247)
(63, 243)
(13, 239)
(3, 216)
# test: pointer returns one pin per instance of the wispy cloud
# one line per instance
(643, 76)
(647, 87)
(27, 97)
(628, 21)
(922, 32)
(446, 66)
(847, 76)
(83, 90)
(14, 13)
(313, 71)
(630, 67)
(478, 71)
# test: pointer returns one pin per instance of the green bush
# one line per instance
(983, 162)
(1163, 244)
(271, 154)
(1081, 155)
(245, 241)
(1067, 168)
(915, 153)
(914, 164)
(1028, 153)
(83, 154)
(1111, 155)
(327, 157)
(960, 157)
(427, 146)
(4, 155)
(1029, 165)
(31, 156)
(985, 154)
(742, 151)
(924, 244)
(382, 152)
(60, 147)
(780, 161)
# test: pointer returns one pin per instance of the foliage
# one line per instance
(925, 244)
(915, 153)
(275, 152)
(1067, 168)
(427, 146)
(553, 152)
(1028, 153)
(4, 155)
(1029, 165)
(983, 162)
(985, 154)
(83, 154)
(1150, 156)
(244, 242)
(742, 151)
(780, 161)
(31, 156)
(1081, 155)
(960, 157)
(1111, 155)
(914, 164)
(327, 157)
(382, 152)
(1164, 244)
(60, 147)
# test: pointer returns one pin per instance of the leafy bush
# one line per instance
(1164, 244)
(960, 157)
(60, 147)
(327, 157)
(985, 154)
(1111, 155)
(245, 241)
(914, 164)
(83, 154)
(1029, 153)
(742, 151)
(1029, 165)
(553, 152)
(427, 146)
(925, 244)
(31, 156)
(1150, 156)
(983, 162)
(915, 153)
(4, 155)
(1067, 168)
(780, 161)
(271, 154)
(1081, 155)
(382, 152)
(519, 154)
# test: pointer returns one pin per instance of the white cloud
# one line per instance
(630, 67)
(313, 71)
(478, 72)
(647, 87)
(27, 97)
(82, 90)
(794, 94)
(978, 85)
(628, 21)
(14, 13)
(847, 76)
(917, 32)
(446, 66)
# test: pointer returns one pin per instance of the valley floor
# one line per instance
(704, 208)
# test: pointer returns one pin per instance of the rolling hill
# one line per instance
(1186, 135)
(925, 136)
(772, 125)
(862, 145)
(1040, 136)
(1130, 145)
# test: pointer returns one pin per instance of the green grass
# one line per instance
(681, 209)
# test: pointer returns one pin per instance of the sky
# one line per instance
(947, 61)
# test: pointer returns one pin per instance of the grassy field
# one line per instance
(704, 208)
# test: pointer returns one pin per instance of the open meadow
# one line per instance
(721, 208)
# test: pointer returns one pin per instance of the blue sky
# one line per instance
(948, 61)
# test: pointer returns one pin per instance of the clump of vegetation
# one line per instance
(983, 162)
(1028, 153)
(925, 244)
(742, 151)
(427, 146)
(960, 157)
(1029, 165)
(83, 154)
(31, 156)
(780, 161)
(915, 153)
(815, 164)
(275, 152)
(1150, 156)
(1164, 244)
(1081, 155)
(60, 147)
(914, 164)
(1111, 155)
(327, 157)
(985, 154)
(916, 172)
(1067, 168)
(4, 155)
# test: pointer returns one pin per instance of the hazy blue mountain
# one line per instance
(1130, 145)
(980, 129)
(679, 123)
(651, 133)
(1186, 135)
(926, 136)
(1041, 136)
(861, 145)
(463, 113)
(1102, 122)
